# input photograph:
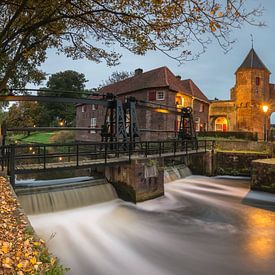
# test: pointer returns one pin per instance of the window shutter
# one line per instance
(152, 95)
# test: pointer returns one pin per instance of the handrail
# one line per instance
(14, 156)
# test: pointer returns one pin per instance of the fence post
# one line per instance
(175, 148)
(130, 150)
(77, 155)
(159, 148)
(44, 157)
(146, 149)
(105, 151)
(12, 166)
(186, 149)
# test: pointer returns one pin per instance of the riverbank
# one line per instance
(21, 251)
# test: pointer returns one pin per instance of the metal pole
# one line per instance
(12, 166)
(44, 157)
(77, 155)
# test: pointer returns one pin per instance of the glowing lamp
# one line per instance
(265, 108)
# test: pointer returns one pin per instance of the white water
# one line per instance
(66, 196)
(202, 226)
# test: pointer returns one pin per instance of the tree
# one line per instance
(62, 84)
(117, 76)
(23, 114)
(88, 28)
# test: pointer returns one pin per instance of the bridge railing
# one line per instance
(23, 158)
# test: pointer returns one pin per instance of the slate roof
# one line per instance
(158, 78)
(252, 61)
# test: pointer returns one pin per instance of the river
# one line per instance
(201, 226)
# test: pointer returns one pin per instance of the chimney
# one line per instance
(138, 71)
(178, 77)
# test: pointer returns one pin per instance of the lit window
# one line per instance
(179, 101)
(93, 125)
(83, 109)
(160, 95)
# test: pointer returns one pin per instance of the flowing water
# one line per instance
(201, 226)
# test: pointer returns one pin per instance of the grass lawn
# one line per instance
(39, 137)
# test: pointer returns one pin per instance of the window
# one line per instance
(93, 125)
(258, 81)
(197, 124)
(83, 109)
(94, 107)
(179, 101)
(201, 107)
(152, 96)
(160, 95)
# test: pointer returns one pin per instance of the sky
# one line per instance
(213, 72)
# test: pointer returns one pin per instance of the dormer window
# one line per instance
(258, 81)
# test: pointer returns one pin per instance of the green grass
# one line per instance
(40, 137)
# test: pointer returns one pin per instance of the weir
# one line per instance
(37, 200)
(52, 197)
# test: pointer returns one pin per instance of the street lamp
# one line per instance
(265, 110)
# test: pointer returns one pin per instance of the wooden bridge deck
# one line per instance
(87, 163)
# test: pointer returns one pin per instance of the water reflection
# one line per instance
(201, 226)
(260, 241)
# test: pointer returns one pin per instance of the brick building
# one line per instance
(157, 86)
(244, 111)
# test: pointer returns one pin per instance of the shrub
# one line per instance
(63, 137)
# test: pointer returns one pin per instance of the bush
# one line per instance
(63, 137)
(230, 135)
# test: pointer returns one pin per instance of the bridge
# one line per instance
(123, 155)
(33, 158)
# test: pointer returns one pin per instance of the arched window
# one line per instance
(258, 81)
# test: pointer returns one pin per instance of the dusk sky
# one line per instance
(213, 72)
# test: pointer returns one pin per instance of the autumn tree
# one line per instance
(23, 114)
(90, 29)
(62, 84)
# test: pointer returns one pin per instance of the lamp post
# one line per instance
(265, 110)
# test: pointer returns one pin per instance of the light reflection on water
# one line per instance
(201, 226)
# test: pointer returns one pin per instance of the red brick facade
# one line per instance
(157, 86)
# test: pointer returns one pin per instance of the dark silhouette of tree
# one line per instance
(117, 76)
(62, 84)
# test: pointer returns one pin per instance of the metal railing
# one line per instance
(24, 158)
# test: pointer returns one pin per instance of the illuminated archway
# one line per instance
(272, 126)
(221, 124)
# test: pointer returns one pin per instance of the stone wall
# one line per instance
(243, 145)
(263, 175)
(234, 163)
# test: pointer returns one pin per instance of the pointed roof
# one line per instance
(252, 61)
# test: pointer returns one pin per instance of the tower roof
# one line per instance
(252, 61)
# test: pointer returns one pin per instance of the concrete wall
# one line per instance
(134, 183)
